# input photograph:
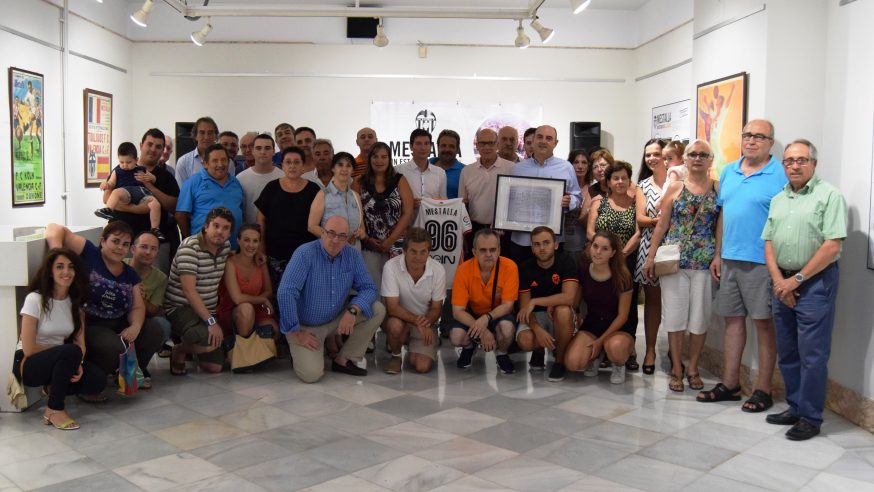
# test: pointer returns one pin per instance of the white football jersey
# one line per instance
(447, 222)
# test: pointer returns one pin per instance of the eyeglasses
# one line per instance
(698, 155)
(758, 137)
(334, 235)
(801, 161)
(486, 143)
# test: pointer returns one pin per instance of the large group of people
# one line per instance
(315, 249)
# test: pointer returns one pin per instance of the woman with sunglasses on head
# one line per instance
(651, 182)
(51, 349)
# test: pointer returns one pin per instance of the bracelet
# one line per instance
(489, 314)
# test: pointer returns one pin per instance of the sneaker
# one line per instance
(465, 357)
(505, 364)
(393, 366)
(618, 376)
(536, 363)
(105, 213)
(158, 234)
(593, 368)
(556, 374)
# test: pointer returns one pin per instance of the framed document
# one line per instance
(98, 136)
(523, 203)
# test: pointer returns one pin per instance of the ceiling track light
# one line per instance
(545, 33)
(199, 37)
(140, 16)
(579, 5)
(381, 40)
(522, 40)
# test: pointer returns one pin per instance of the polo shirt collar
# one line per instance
(769, 168)
(228, 179)
(201, 244)
(428, 270)
(806, 189)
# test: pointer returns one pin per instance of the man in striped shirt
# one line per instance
(192, 293)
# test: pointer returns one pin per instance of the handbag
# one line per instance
(130, 376)
(14, 387)
(667, 260)
(252, 352)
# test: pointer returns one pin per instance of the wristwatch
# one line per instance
(353, 310)
(209, 321)
(799, 277)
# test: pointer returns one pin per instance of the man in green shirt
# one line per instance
(806, 226)
(144, 250)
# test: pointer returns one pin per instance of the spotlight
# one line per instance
(139, 17)
(199, 37)
(579, 5)
(381, 40)
(522, 40)
(545, 33)
(423, 50)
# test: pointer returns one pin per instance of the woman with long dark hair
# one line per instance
(52, 344)
(575, 220)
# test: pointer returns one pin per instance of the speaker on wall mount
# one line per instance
(361, 27)
(184, 141)
(585, 135)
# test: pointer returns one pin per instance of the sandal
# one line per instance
(631, 364)
(695, 382)
(67, 425)
(177, 368)
(720, 392)
(676, 384)
(759, 401)
(98, 398)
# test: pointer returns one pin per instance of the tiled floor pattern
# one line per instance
(449, 430)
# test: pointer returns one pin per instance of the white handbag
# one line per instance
(667, 260)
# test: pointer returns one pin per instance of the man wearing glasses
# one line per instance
(745, 192)
(806, 226)
(316, 300)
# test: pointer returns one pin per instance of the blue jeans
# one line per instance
(804, 337)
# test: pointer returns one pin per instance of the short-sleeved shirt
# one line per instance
(190, 164)
(202, 193)
(469, 290)
(428, 184)
(799, 222)
(544, 282)
(415, 297)
(111, 295)
(165, 183)
(452, 176)
(53, 326)
(745, 201)
(192, 258)
(154, 285)
(478, 184)
(602, 302)
(253, 183)
(286, 231)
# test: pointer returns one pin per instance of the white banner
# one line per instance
(671, 121)
(393, 122)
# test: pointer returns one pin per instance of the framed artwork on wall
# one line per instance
(98, 136)
(721, 115)
(26, 105)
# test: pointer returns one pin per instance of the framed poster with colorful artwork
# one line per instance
(98, 137)
(721, 115)
(28, 156)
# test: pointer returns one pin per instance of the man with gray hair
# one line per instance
(247, 145)
(323, 154)
(745, 192)
(508, 143)
(806, 226)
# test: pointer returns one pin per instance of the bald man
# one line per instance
(364, 139)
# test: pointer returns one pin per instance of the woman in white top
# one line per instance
(51, 350)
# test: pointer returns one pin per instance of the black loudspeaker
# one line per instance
(184, 141)
(361, 27)
(585, 135)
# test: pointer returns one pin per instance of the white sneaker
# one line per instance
(618, 376)
(593, 368)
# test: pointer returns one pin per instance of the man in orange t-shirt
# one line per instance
(364, 139)
(482, 311)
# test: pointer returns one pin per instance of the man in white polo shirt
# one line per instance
(414, 286)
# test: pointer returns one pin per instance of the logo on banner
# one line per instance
(426, 120)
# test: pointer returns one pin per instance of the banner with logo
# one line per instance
(671, 121)
(393, 122)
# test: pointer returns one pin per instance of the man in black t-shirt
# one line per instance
(548, 284)
(161, 184)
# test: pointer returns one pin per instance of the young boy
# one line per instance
(122, 188)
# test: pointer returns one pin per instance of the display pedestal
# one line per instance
(21, 253)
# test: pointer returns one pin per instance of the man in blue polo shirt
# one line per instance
(448, 143)
(212, 187)
(746, 188)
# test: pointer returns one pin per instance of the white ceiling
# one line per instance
(507, 4)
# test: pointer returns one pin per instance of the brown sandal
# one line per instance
(676, 384)
(695, 382)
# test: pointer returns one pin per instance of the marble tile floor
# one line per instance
(449, 430)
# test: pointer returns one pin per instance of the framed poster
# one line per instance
(671, 121)
(98, 136)
(721, 116)
(523, 203)
(28, 156)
